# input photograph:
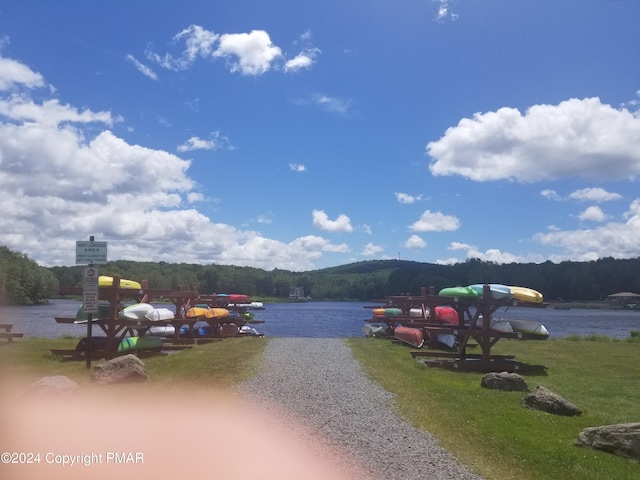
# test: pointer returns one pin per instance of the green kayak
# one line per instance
(460, 292)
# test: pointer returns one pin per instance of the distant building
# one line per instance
(625, 298)
(296, 292)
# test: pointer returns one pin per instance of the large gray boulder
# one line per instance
(622, 439)
(547, 401)
(124, 369)
(54, 386)
(511, 382)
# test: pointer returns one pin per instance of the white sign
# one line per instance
(90, 290)
(88, 253)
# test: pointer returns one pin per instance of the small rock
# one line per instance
(124, 369)
(621, 439)
(511, 382)
(54, 386)
(547, 401)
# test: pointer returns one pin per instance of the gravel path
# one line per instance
(319, 381)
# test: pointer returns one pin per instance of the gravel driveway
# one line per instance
(319, 381)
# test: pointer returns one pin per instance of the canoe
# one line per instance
(247, 330)
(137, 311)
(105, 281)
(530, 327)
(167, 331)
(497, 325)
(374, 330)
(130, 344)
(446, 339)
(160, 314)
(524, 294)
(408, 335)
(377, 312)
(498, 291)
(458, 292)
(447, 315)
(251, 306)
(500, 326)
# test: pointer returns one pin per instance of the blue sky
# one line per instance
(303, 135)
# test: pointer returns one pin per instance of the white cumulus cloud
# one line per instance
(594, 195)
(414, 242)
(435, 222)
(14, 73)
(371, 249)
(576, 138)
(611, 239)
(341, 224)
(407, 199)
(66, 175)
(592, 214)
(248, 53)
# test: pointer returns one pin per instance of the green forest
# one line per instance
(22, 281)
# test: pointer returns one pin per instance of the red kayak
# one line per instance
(409, 335)
(238, 298)
(447, 315)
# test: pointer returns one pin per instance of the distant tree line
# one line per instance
(376, 279)
(23, 281)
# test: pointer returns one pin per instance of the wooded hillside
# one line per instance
(568, 281)
(22, 281)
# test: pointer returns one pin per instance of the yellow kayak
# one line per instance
(197, 312)
(524, 294)
(218, 313)
(104, 281)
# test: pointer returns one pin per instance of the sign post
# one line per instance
(90, 252)
(89, 305)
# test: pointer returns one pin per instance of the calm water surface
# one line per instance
(334, 319)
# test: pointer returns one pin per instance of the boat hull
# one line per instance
(524, 294)
(159, 314)
(408, 335)
(105, 281)
(530, 327)
(374, 330)
(137, 311)
(497, 290)
(458, 292)
(131, 344)
(447, 315)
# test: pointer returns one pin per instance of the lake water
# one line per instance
(334, 319)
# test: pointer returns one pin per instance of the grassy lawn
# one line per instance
(220, 364)
(492, 433)
(488, 430)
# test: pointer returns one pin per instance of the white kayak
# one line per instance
(137, 311)
(159, 314)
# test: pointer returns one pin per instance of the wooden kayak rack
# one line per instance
(473, 330)
(116, 328)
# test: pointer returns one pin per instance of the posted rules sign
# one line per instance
(89, 253)
(90, 288)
